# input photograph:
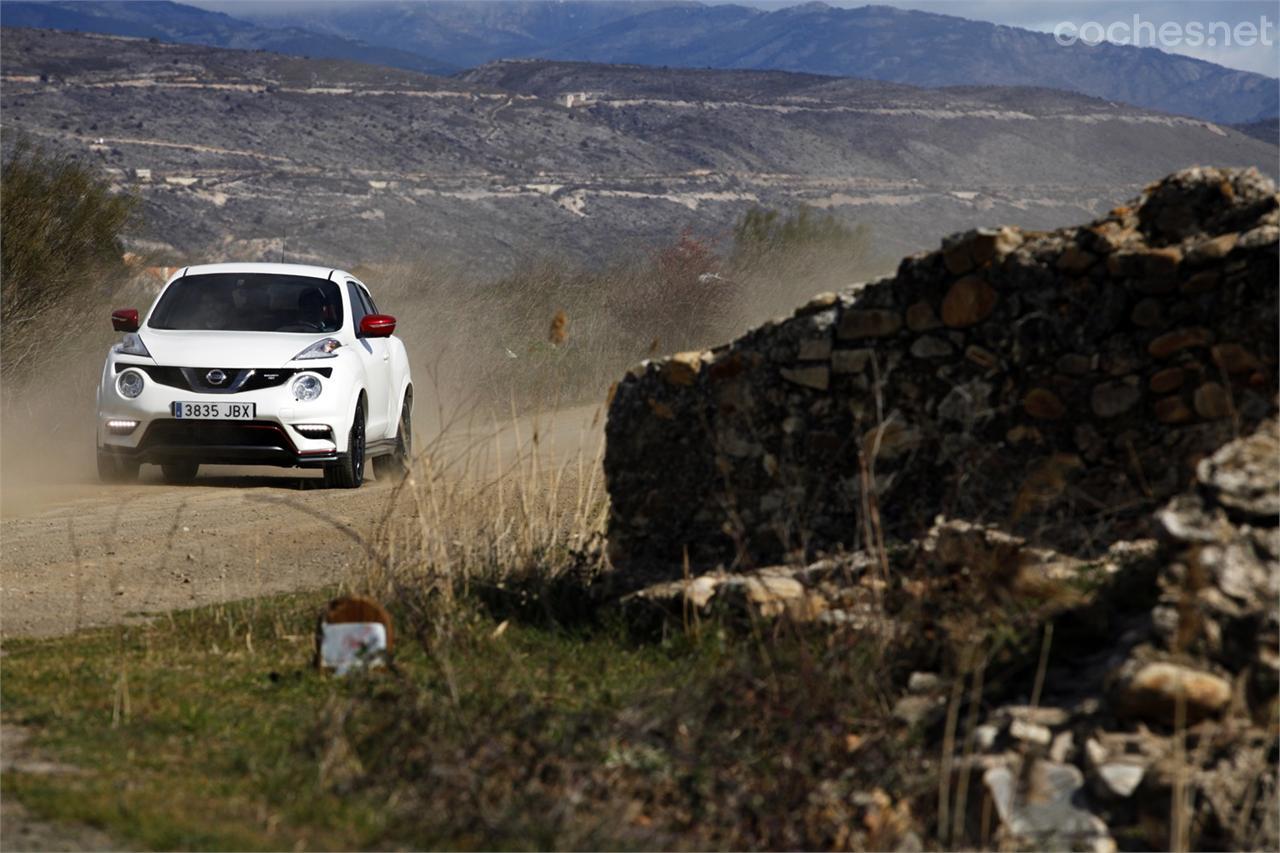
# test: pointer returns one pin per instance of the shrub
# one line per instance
(763, 234)
(60, 228)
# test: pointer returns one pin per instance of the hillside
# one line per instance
(876, 42)
(176, 22)
(873, 42)
(236, 153)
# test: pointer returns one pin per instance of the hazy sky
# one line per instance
(1046, 15)
(1263, 56)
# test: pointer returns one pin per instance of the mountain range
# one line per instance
(252, 154)
(873, 42)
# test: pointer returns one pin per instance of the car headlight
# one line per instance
(307, 387)
(132, 345)
(130, 383)
(320, 349)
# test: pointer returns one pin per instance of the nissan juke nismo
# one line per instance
(256, 364)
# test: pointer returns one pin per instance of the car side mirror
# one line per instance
(126, 320)
(377, 326)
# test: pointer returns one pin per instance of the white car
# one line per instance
(256, 364)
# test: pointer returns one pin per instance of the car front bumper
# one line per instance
(144, 428)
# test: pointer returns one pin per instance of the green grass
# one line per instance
(208, 730)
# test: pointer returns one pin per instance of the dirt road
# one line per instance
(91, 554)
(75, 554)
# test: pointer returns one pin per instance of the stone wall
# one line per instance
(1062, 384)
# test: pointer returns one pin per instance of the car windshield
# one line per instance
(249, 302)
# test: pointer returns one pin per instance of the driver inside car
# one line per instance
(312, 309)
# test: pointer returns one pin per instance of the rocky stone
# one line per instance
(1030, 732)
(972, 249)
(1042, 811)
(1110, 399)
(965, 435)
(1202, 282)
(923, 682)
(1063, 747)
(1212, 401)
(850, 360)
(968, 302)
(817, 377)
(981, 356)
(1241, 475)
(915, 710)
(1074, 364)
(819, 302)
(1166, 693)
(929, 346)
(1149, 314)
(921, 317)
(869, 323)
(1172, 410)
(1178, 340)
(1043, 404)
(985, 736)
(889, 440)
(1259, 238)
(1167, 380)
(1037, 715)
(1234, 358)
(1121, 779)
(1076, 260)
(1213, 249)
(682, 368)
(814, 349)
(1162, 264)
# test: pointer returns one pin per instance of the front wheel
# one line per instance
(116, 469)
(348, 471)
(396, 463)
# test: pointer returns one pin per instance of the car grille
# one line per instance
(236, 379)
(179, 433)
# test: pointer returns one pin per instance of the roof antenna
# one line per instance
(282, 236)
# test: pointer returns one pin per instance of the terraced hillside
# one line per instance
(250, 154)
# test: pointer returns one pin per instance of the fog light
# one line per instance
(130, 383)
(121, 427)
(314, 430)
(306, 387)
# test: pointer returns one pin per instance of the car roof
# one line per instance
(278, 269)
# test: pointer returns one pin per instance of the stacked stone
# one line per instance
(1061, 384)
(1184, 697)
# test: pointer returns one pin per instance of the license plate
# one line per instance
(214, 411)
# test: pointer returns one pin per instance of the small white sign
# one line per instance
(352, 645)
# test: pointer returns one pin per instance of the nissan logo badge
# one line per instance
(216, 377)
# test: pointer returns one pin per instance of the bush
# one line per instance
(60, 228)
(763, 234)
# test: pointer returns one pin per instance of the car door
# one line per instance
(376, 356)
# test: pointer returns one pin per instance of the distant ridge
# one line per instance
(874, 42)
(175, 22)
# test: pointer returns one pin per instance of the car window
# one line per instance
(249, 302)
(368, 301)
(358, 308)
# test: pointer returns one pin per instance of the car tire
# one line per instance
(396, 464)
(114, 469)
(348, 471)
(177, 473)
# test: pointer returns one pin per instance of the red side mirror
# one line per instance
(377, 326)
(126, 320)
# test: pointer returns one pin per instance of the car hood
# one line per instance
(225, 349)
